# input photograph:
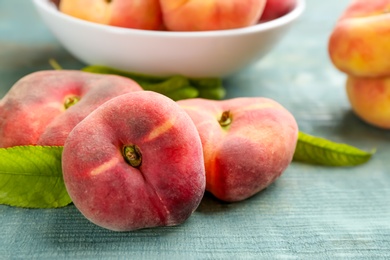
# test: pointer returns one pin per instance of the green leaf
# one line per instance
(170, 84)
(316, 150)
(212, 93)
(183, 93)
(140, 78)
(31, 177)
(209, 88)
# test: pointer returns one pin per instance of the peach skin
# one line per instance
(135, 162)
(370, 99)
(201, 15)
(44, 106)
(247, 143)
(145, 14)
(359, 44)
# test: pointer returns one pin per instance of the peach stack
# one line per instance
(176, 15)
(173, 15)
(360, 47)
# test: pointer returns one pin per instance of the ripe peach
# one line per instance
(247, 143)
(145, 14)
(277, 8)
(200, 15)
(42, 107)
(370, 99)
(135, 162)
(359, 44)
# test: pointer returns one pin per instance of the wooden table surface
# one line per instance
(311, 212)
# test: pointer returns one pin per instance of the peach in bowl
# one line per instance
(162, 52)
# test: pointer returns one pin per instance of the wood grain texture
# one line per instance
(311, 212)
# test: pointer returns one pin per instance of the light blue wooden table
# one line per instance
(311, 212)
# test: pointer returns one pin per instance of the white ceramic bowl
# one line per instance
(193, 54)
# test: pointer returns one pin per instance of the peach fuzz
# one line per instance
(135, 162)
(359, 44)
(43, 107)
(370, 99)
(247, 143)
(200, 15)
(145, 14)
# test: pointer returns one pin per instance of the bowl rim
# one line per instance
(300, 6)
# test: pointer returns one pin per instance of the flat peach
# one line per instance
(359, 45)
(43, 107)
(200, 15)
(135, 162)
(247, 143)
(145, 14)
(370, 99)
